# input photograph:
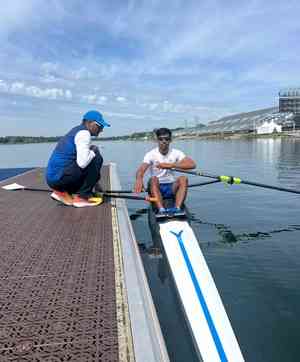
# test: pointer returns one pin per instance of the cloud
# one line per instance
(17, 87)
(34, 91)
(94, 99)
(156, 60)
(3, 86)
(68, 94)
(121, 99)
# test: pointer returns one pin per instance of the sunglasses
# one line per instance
(162, 138)
(99, 126)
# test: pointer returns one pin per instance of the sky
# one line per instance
(143, 64)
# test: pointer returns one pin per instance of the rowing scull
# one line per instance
(211, 330)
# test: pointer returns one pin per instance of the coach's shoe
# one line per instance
(81, 202)
(62, 197)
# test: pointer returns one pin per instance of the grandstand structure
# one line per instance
(289, 101)
(243, 123)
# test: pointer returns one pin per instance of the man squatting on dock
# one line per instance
(163, 183)
(75, 165)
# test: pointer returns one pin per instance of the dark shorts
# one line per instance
(77, 180)
(166, 190)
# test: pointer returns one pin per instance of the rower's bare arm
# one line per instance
(185, 164)
(139, 184)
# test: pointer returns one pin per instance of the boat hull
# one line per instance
(209, 325)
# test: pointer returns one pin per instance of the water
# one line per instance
(249, 236)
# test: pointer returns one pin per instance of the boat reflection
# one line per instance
(225, 234)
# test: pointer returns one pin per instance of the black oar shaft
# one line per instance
(238, 181)
(34, 189)
(113, 194)
(204, 183)
(196, 173)
(106, 191)
(130, 197)
(270, 187)
(118, 191)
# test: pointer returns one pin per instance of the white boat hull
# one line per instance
(210, 327)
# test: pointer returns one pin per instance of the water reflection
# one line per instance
(288, 163)
(269, 149)
(156, 253)
(227, 236)
(224, 232)
(138, 213)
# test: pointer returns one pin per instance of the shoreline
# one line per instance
(217, 136)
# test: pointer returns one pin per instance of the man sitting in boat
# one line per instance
(74, 166)
(163, 184)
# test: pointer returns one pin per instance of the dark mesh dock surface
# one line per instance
(57, 283)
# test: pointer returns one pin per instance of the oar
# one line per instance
(236, 180)
(204, 183)
(131, 197)
(118, 191)
(15, 187)
(114, 194)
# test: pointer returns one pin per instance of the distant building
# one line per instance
(248, 122)
(268, 128)
(289, 101)
(286, 117)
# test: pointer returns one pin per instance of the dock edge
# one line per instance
(147, 342)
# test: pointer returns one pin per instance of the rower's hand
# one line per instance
(165, 165)
(139, 186)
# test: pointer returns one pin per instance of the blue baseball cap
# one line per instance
(97, 117)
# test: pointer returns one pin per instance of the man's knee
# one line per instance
(154, 181)
(182, 181)
(98, 160)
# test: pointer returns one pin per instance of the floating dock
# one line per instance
(72, 284)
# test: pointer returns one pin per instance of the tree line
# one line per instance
(27, 139)
(41, 139)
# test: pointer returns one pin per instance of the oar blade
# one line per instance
(13, 187)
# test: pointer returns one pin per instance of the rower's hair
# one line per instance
(163, 131)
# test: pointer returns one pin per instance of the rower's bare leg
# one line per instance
(180, 190)
(155, 192)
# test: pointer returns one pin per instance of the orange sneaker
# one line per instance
(81, 202)
(62, 197)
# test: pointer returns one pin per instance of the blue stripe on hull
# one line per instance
(201, 298)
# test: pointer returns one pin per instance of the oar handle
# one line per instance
(151, 199)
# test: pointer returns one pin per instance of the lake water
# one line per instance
(250, 238)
